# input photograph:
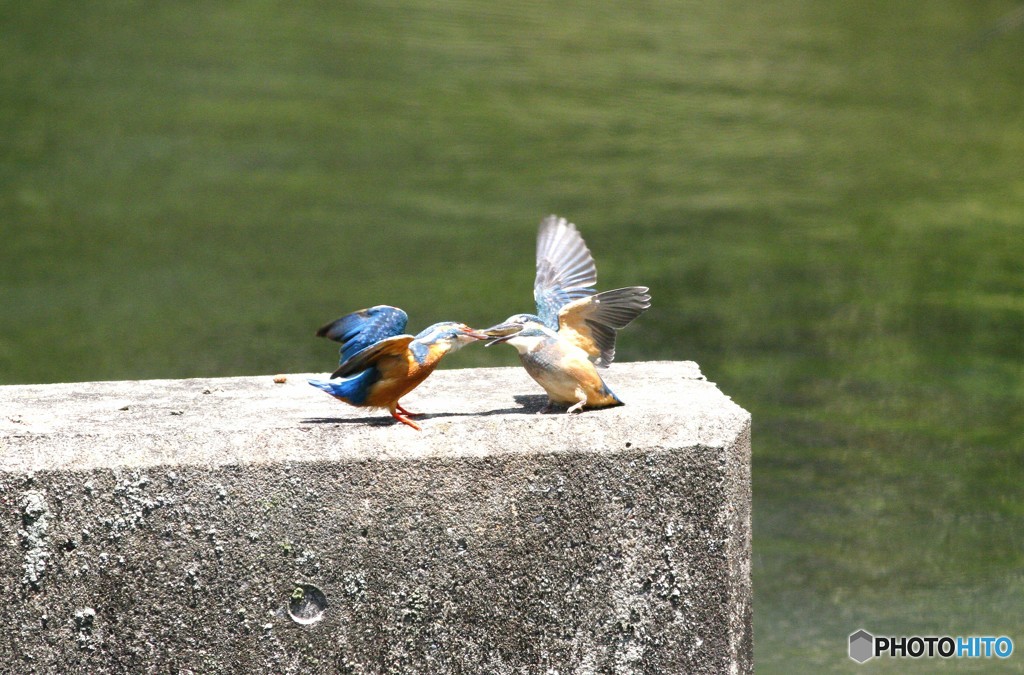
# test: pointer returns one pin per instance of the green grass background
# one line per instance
(826, 199)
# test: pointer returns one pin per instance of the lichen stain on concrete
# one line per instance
(34, 536)
(134, 504)
(85, 618)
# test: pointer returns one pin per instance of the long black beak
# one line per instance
(502, 332)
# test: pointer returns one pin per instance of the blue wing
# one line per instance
(565, 268)
(362, 329)
(367, 358)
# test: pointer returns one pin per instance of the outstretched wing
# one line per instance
(360, 361)
(565, 268)
(359, 330)
(590, 322)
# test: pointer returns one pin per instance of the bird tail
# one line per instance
(353, 390)
(612, 399)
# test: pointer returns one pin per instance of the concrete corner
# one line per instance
(242, 525)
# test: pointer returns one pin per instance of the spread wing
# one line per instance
(360, 361)
(590, 322)
(565, 268)
(359, 330)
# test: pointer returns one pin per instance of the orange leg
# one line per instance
(405, 412)
(404, 420)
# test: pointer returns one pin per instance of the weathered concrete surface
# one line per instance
(164, 526)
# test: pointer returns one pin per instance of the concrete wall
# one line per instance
(239, 525)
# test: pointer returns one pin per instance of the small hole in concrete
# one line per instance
(307, 604)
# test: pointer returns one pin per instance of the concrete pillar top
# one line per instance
(472, 412)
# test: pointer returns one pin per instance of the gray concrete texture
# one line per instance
(239, 525)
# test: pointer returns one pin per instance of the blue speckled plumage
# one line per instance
(575, 327)
(359, 330)
(380, 363)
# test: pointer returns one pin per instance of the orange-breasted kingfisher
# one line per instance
(380, 363)
(574, 329)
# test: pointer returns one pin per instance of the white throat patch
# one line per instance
(527, 344)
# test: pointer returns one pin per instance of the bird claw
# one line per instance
(549, 406)
(577, 407)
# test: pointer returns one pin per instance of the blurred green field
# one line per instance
(826, 199)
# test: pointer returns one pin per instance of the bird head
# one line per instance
(450, 334)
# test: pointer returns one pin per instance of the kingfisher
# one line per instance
(573, 332)
(380, 363)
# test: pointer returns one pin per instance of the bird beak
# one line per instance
(475, 334)
(502, 332)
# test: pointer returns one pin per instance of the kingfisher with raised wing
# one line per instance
(380, 363)
(574, 329)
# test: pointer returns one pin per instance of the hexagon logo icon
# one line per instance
(862, 646)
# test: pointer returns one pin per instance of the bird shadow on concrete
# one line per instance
(529, 404)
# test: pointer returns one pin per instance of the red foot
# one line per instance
(406, 412)
(404, 420)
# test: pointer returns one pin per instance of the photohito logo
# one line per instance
(864, 646)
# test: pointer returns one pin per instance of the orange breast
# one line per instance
(400, 374)
(574, 373)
